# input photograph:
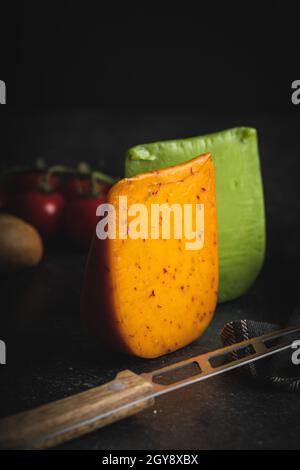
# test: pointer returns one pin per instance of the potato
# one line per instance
(20, 244)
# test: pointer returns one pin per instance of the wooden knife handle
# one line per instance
(63, 420)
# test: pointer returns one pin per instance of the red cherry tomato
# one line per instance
(16, 183)
(79, 187)
(80, 220)
(43, 210)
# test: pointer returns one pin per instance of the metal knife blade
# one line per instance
(254, 349)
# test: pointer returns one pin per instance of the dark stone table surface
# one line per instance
(49, 356)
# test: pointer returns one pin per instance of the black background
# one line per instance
(87, 82)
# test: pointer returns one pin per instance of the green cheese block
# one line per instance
(240, 202)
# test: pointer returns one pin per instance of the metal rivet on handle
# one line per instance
(115, 386)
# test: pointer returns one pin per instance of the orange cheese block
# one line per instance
(151, 287)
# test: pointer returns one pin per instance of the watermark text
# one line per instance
(296, 353)
(2, 92)
(295, 97)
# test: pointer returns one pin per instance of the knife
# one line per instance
(60, 421)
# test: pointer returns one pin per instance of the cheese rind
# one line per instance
(240, 202)
(145, 296)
